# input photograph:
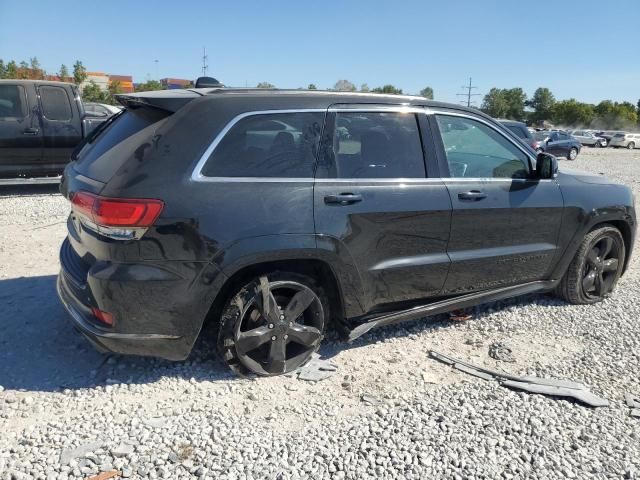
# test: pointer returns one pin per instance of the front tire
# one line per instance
(631, 146)
(573, 154)
(596, 268)
(598, 145)
(273, 324)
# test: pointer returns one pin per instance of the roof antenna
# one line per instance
(205, 67)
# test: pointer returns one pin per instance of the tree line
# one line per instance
(512, 103)
(347, 86)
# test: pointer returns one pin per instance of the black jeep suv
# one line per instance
(276, 213)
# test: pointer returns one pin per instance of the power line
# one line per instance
(469, 89)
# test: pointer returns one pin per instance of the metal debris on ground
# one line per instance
(545, 386)
(459, 316)
(315, 369)
(501, 352)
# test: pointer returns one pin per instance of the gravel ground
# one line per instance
(67, 411)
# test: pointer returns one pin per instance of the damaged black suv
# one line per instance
(278, 213)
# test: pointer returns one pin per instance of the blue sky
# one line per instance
(585, 49)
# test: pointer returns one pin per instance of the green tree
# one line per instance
(63, 73)
(427, 92)
(79, 72)
(92, 93)
(265, 85)
(311, 86)
(364, 88)
(344, 86)
(505, 103)
(3, 69)
(36, 69)
(542, 103)
(12, 70)
(388, 89)
(149, 86)
(615, 116)
(23, 70)
(571, 113)
(495, 103)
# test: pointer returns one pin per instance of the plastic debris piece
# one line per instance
(315, 370)
(106, 475)
(635, 412)
(545, 386)
(369, 399)
(633, 401)
(582, 395)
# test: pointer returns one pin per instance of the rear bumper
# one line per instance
(156, 345)
(149, 319)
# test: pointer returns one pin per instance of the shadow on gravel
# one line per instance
(28, 190)
(41, 351)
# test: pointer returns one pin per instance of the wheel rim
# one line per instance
(631, 146)
(601, 267)
(279, 328)
(573, 153)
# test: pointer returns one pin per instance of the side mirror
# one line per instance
(546, 166)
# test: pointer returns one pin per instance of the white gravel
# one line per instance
(67, 411)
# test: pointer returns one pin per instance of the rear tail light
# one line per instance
(119, 218)
(102, 316)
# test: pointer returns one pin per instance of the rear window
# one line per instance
(12, 101)
(279, 145)
(520, 131)
(107, 148)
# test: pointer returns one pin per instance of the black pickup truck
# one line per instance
(41, 123)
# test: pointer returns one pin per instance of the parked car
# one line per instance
(626, 140)
(276, 214)
(523, 133)
(558, 143)
(101, 109)
(607, 135)
(585, 137)
(41, 123)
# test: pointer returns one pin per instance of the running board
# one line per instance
(443, 306)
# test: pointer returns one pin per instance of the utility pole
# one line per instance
(469, 89)
(204, 62)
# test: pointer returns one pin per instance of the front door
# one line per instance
(375, 206)
(505, 224)
(20, 134)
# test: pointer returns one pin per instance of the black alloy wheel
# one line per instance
(273, 325)
(600, 272)
(595, 268)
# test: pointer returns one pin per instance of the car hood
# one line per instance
(585, 177)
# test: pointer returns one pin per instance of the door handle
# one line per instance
(472, 196)
(30, 131)
(342, 199)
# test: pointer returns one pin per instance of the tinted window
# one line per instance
(12, 101)
(55, 103)
(563, 136)
(376, 145)
(579, 133)
(475, 150)
(519, 131)
(110, 145)
(269, 145)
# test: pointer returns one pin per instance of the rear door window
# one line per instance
(274, 145)
(13, 102)
(376, 145)
(55, 103)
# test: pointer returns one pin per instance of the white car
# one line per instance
(626, 140)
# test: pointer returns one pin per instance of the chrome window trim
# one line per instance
(197, 175)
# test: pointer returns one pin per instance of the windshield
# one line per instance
(541, 135)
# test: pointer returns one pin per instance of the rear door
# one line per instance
(376, 206)
(61, 126)
(504, 224)
(20, 134)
